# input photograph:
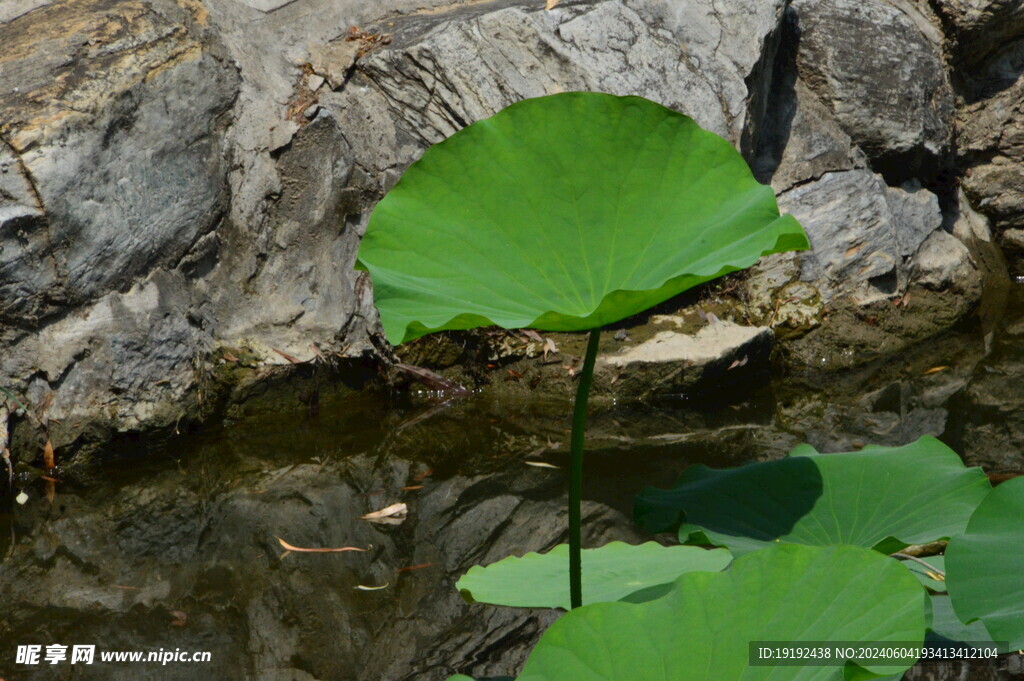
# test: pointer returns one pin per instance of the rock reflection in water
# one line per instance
(177, 549)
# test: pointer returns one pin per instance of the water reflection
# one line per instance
(178, 548)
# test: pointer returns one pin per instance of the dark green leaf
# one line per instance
(944, 623)
(916, 493)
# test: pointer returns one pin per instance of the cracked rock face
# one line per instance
(982, 26)
(178, 176)
(112, 122)
(881, 77)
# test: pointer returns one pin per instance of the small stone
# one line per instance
(314, 81)
(21, 498)
(311, 111)
(942, 262)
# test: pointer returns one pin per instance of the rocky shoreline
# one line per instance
(183, 183)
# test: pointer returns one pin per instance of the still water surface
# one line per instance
(174, 545)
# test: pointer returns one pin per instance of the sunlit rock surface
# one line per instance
(227, 155)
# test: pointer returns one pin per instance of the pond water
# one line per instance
(174, 544)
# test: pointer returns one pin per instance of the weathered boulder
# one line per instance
(437, 76)
(862, 236)
(991, 144)
(882, 77)
(111, 115)
(942, 262)
(980, 27)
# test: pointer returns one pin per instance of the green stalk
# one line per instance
(579, 426)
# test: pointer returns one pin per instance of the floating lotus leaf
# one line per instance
(985, 565)
(916, 493)
(701, 630)
(612, 572)
(565, 213)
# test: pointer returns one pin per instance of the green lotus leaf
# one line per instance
(916, 493)
(944, 624)
(611, 572)
(565, 213)
(701, 630)
(985, 565)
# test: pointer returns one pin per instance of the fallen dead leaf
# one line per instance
(49, 461)
(230, 357)
(394, 514)
(297, 549)
(549, 346)
(362, 587)
(411, 488)
(410, 568)
(293, 360)
(532, 335)
(180, 618)
(738, 363)
(935, 370)
(540, 464)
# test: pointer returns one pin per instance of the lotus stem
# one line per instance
(931, 568)
(579, 426)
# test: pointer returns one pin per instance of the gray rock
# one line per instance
(980, 27)
(734, 44)
(943, 261)
(915, 214)
(121, 146)
(862, 235)
(673, 361)
(991, 143)
(138, 345)
(854, 247)
(897, 104)
(803, 140)
(210, 167)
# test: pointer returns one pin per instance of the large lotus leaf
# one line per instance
(565, 213)
(985, 565)
(916, 493)
(701, 630)
(610, 573)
